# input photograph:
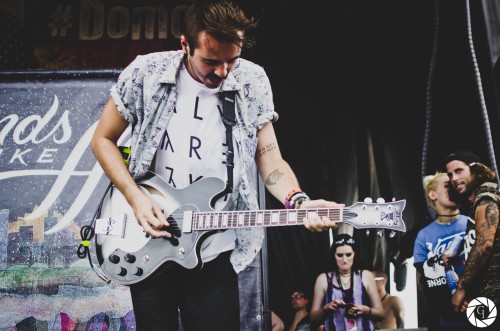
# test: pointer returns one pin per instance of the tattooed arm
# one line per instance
(276, 172)
(280, 179)
(486, 218)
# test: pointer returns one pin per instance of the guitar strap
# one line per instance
(229, 120)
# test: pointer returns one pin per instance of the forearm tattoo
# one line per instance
(485, 235)
(266, 149)
(274, 177)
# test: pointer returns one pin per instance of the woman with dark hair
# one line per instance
(345, 298)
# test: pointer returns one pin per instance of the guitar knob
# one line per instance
(137, 271)
(392, 234)
(380, 233)
(368, 200)
(130, 258)
(380, 200)
(367, 232)
(121, 271)
(113, 258)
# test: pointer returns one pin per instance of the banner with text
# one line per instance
(50, 187)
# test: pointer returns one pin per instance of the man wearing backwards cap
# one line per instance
(477, 189)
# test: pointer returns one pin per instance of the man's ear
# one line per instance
(184, 44)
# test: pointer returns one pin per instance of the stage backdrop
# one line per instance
(90, 34)
(50, 187)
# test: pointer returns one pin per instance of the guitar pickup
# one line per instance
(111, 226)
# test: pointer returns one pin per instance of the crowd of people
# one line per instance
(456, 257)
(159, 96)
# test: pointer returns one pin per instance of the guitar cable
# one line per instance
(87, 232)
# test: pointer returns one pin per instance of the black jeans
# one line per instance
(207, 299)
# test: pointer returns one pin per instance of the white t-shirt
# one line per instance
(194, 147)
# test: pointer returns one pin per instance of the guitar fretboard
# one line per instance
(243, 219)
(215, 220)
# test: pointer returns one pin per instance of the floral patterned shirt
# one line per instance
(146, 94)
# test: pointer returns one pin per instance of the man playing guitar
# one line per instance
(172, 100)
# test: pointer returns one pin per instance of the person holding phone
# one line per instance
(346, 298)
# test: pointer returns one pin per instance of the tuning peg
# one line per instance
(368, 200)
(367, 232)
(380, 233)
(392, 234)
(380, 200)
(393, 199)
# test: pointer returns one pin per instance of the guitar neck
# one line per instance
(360, 215)
(258, 218)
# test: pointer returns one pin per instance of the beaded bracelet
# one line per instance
(293, 197)
(288, 199)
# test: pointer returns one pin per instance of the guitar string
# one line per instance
(254, 215)
(283, 214)
(198, 220)
(251, 218)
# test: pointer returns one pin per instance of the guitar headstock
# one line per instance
(378, 215)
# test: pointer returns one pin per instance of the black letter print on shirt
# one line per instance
(196, 109)
(191, 181)
(195, 144)
(170, 180)
(165, 142)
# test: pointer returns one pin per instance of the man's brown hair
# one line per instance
(222, 19)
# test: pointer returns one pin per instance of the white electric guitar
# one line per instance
(127, 255)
